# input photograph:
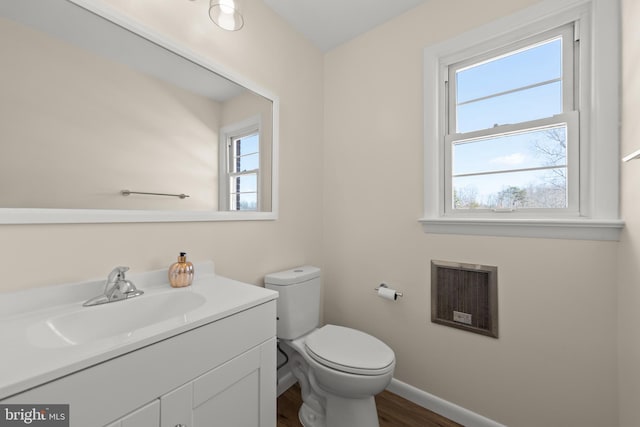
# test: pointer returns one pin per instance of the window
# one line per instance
(514, 139)
(241, 181)
(512, 130)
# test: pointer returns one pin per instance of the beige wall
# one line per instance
(273, 56)
(555, 361)
(629, 250)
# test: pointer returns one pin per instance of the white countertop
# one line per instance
(26, 360)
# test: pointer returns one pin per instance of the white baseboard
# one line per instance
(419, 397)
(285, 381)
(445, 408)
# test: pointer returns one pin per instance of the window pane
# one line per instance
(523, 150)
(246, 163)
(244, 194)
(246, 151)
(545, 188)
(247, 144)
(521, 86)
(515, 107)
(244, 183)
(244, 202)
(519, 170)
(523, 68)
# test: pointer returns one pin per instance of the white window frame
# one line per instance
(227, 135)
(595, 213)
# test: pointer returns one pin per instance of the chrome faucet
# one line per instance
(117, 288)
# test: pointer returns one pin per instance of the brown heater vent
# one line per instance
(465, 296)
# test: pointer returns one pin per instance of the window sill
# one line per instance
(575, 229)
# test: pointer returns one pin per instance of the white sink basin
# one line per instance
(49, 334)
(115, 320)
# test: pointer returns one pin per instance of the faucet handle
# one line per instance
(117, 274)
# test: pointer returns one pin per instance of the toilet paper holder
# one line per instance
(383, 285)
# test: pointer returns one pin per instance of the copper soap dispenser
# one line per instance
(181, 272)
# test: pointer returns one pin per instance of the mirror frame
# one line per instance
(73, 216)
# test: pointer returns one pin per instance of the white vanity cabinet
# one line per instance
(219, 374)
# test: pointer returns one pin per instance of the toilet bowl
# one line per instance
(339, 369)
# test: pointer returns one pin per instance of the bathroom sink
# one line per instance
(51, 335)
(116, 321)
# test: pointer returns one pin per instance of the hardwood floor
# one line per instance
(393, 411)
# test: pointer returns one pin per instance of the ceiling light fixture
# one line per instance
(226, 14)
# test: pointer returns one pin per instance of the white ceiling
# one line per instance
(329, 23)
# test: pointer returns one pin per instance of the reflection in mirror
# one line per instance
(90, 109)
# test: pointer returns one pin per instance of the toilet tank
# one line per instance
(298, 307)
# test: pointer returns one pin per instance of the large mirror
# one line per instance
(100, 124)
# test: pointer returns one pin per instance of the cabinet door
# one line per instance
(239, 393)
(177, 407)
(147, 416)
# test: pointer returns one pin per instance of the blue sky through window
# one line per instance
(247, 153)
(518, 87)
(522, 68)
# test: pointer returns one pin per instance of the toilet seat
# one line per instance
(349, 350)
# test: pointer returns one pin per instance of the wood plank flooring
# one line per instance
(393, 411)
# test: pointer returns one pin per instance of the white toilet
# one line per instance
(339, 369)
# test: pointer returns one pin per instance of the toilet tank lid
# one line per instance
(292, 276)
